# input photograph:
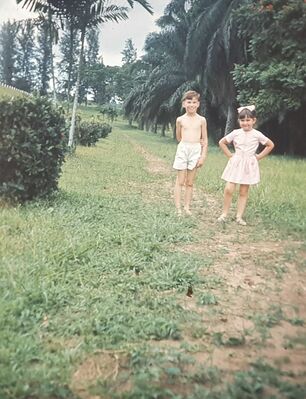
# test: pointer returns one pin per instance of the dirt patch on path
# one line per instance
(250, 305)
(260, 287)
(154, 164)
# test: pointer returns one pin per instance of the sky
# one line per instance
(113, 35)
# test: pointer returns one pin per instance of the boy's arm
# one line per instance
(178, 130)
(204, 142)
(223, 145)
(268, 148)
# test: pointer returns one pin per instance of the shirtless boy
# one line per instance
(191, 132)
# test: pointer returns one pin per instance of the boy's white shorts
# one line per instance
(187, 155)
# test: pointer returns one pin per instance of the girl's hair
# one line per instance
(246, 113)
(190, 94)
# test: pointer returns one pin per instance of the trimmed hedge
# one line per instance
(88, 133)
(32, 147)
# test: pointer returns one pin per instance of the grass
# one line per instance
(279, 200)
(97, 269)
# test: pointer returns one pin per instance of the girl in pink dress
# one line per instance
(242, 167)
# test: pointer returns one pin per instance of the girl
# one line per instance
(242, 167)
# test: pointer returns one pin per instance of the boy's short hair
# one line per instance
(190, 94)
(246, 113)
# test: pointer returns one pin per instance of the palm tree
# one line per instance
(213, 48)
(157, 99)
(84, 14)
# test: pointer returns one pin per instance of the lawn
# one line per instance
(108, 294)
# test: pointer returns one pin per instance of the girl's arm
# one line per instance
(223, 145)
(268, 148)
(178, 130)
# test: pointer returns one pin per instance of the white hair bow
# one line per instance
(249, 107)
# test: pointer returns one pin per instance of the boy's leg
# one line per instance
(189, 189)
(242, 200)
(228, 195)
(179, 183)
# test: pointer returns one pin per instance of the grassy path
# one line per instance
(95, 284)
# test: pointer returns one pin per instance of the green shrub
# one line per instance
(31, 147)
(88, 133)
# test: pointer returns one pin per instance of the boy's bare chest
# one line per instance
(191, 124)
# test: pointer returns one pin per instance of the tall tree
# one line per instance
(212, 50)
(156, 97)
(44, 56)
(8, 50)
(69, 49)
(129, 53)
(25, 60)
(92, 46)
(275, 76)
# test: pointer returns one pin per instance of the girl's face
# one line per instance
(247, 123)
(191, 105)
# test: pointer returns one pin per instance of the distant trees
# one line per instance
(8, 51)
(129, 53)
(26, 55)
(83, 15)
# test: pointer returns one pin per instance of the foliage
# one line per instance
(109, 112)
(88, 133)
(25, 60)
(32, 148)
(8, 51)
(275, 77)
(159, 79)
(129, 53)
(196, 48)
(69, 48)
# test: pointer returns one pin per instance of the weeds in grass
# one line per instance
(90, 269)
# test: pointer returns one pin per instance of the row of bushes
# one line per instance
(88, 133)
(33, 144)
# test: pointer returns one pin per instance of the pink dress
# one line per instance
(243, 167)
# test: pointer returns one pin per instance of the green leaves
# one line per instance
(31, 148)
(275, 79)
(89, 133)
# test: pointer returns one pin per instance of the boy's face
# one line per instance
(191, 105)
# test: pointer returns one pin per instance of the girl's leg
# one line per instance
(180, 181)
(189, 189)
(228, 195)
(242, 201)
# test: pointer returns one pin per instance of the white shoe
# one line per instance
(241, 222)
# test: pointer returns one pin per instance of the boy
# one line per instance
(191, 132)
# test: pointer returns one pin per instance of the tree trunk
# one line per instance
(51, 54)
(163, 130)
(230, 120)
(70, 64)
(141, 124)
(76, 95)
